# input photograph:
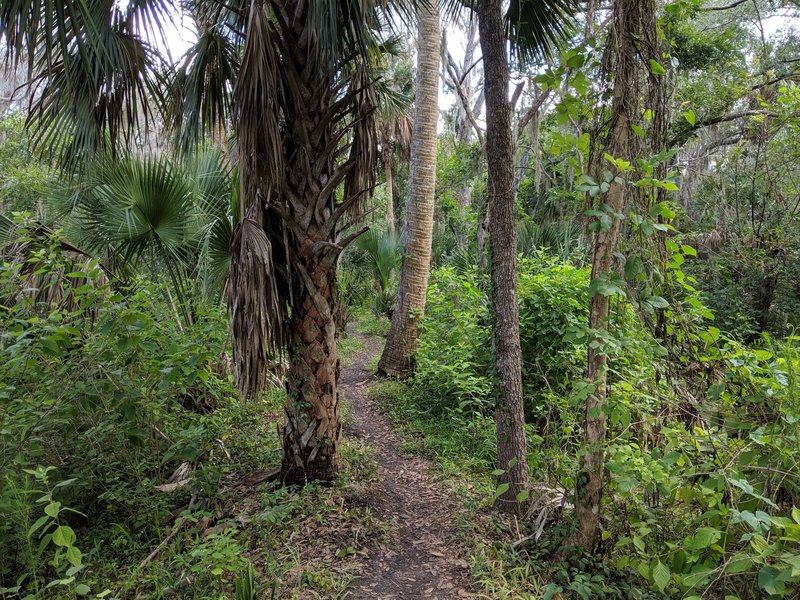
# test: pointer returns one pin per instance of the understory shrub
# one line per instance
(105, 395)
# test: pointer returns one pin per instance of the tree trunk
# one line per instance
(619, 144)
(282, 283)
(401, 341)
(387, 169)
(311, 415)
(509, 413)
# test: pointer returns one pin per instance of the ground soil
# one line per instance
(420, 558)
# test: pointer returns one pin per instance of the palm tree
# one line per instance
(157, 215)
(304, 117)
(410, 305)
(395, 124)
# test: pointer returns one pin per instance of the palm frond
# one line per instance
(93, 75)
(364, 144)
(536, 26)
(256, 310)
(259, 96)
(382, 252)
(203, 87)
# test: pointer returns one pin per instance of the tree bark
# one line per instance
(311, 415)
(387, 169)
(401, 342)
(283, 295)
(620, 145)
(509, 414)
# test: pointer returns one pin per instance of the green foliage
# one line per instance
(380, 253)
(144, 395)
(23, 179)
(167, 219)
(456, 318)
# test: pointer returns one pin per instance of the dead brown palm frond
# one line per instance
(364, 144)
(257, 313)
(258, 96)
(46, 281)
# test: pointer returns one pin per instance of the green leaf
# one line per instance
(550, 591)
(523, 495)
(705, 537)
(82, 589)
(74, 556)
(52, 509)
(64, 536)
(39, 522)
(72, 570)
(739, 563)
(690, 117)
(501, 489)
(656, 68)
(771, 581)
(661, 575)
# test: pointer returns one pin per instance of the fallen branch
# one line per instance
(167, 539)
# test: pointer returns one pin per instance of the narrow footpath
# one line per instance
(420, 558)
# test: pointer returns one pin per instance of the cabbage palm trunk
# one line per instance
(307, 153)
(396, 360)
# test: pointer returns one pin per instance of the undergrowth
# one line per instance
(128, 466)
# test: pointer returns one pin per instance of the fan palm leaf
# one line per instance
(535, 27)
(93, 74)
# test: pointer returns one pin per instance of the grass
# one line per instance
(368, 323)
(301, 542)
(348, 348)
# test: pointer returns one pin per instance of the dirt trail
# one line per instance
(420, 558)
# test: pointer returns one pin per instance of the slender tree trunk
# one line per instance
(619, 144)
(401, 342)
(509, 414)
(387, 169)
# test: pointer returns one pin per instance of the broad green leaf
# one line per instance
(690, 117)
(656, 68)
(705, 537)
(64, 536)
(501, 489)
(52, 509)
(74, 556)
(82, 589)
(661, 575)
(771, 580)
(739, 563)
